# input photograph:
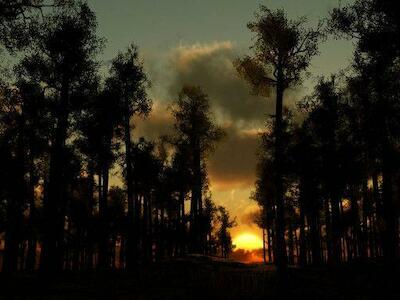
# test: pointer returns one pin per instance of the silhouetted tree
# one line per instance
(128, 78)
(223, 235)
(196, 129)
(62, 58)
(282, 52)
(375, 27)
(19, 20)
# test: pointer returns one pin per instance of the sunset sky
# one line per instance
(195, 42)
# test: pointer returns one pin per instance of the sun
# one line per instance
(247, 241)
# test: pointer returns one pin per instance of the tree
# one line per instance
(128, 79)
(325, 121)
(98, 125)
(282, 52)
(13, 188)
(224, 237)
(18, 20)
(62, 58)
(24, 121)
(181, 175)
(375, 27)
(196, 129)
(306, 165)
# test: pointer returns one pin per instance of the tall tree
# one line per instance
(62, 58)
(129, 80)
(195, 127)
(325, 122)
(282, 52)
(374, 24)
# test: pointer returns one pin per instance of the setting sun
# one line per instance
(247, 241)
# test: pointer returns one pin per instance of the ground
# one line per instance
(202, 278)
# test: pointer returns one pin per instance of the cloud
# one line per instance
(211, 67)
(242, 114)
(234, 162)
(250, 215)
(232, 167)
(159, 122)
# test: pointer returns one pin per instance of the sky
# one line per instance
(195, 42)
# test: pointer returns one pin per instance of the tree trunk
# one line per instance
(328, 231)
(90, 229)
(303, 258)
(130, 238)
(196, 205)
(389, 236)
(290, 244)
(264, 248)
(12, 232)
(182, 228)
(270, 246)
(315, 237)
(281, 259)
(31, 259)
(54, 201)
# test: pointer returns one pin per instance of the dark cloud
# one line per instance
(211, 67)
(234, 161)
(232, 166)
(241, 114)
(159, 122)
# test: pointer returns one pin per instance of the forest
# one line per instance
(328, 173)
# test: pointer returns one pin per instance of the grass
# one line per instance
(197, 278)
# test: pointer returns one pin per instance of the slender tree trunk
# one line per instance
(137, 225)
(328, 231)
(290, 243)
(122, 252)
(296, 248)
(196, 205)
(281, 259)
(54, 202)
(90, 229)
(264, 248)
(389, 236)
(303, 245)
(182, 228)
(104, 255)
(31, 259)
(336, 244)
(366, 206)
(145, 227)
(315, 237)
(378, 214)
(357, 233)
(151, 229)
(270, 246)
(13, 225)
(130, 238)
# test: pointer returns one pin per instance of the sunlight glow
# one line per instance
(248, 241)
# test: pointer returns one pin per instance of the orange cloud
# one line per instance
(159, 122)
(233, 165)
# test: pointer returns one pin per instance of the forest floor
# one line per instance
(201, 278)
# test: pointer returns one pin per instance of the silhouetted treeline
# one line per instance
(328, 173)
(65, 130)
